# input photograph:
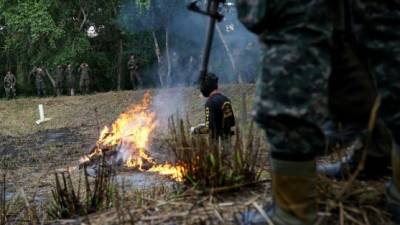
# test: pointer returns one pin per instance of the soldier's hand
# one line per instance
(198, 129)
(192, 130)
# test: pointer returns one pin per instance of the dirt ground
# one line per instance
(30, 153)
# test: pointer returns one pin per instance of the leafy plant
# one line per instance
(228, 163)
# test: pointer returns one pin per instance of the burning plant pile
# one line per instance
(127, 141)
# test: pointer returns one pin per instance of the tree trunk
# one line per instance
(119, 66)
(158, 54)
(169, 79)
(23, 79)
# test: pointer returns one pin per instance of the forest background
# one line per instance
(104, 33)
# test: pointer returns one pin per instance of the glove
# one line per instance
(197, 129)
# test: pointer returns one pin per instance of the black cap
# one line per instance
(208, 84)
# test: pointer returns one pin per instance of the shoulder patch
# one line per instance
(227, 110)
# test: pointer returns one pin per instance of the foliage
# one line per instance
(68, 201)
(50, 33)
(209, 165)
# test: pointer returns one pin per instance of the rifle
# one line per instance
(212, 12)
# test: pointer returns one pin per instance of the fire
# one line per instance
(175, 172)
(130, 134)
(133, 126)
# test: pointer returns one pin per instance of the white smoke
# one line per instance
(167, 103)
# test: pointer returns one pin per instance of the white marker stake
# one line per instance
(42, 119)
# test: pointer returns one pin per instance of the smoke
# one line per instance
(126, 151)
(167, 103)
(187, 31)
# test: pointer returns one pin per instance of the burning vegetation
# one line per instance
(127, 141)
(198, 162)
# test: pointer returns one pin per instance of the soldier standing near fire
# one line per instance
(134, 76)
(311, 43)
(84, 83)
(39, 75)
(59, 79)
(9, 85)
(219, 117)
(69, 71)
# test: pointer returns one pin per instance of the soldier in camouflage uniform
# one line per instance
(70, 79)
(133, 67)
(59, 79)
(39, 75)
(84, 83)
(306, 44)
(378, 32)
(9, 85)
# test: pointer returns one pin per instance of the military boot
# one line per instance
(294, 195)
(392, 189)
(377, 160)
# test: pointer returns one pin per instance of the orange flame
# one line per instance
(172, 171)
(133, 126)
(131, 133)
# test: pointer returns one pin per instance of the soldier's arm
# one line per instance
(209, 121)
(32, 73)
(14, 80)
(133, 65)
(253, 14)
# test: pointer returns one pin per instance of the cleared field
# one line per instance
(18, 116)
(30, 153)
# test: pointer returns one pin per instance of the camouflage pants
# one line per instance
(40, 88)
(136, 81)
(10, 92)
(70, 83)
(378, 31)
(59, 87)
(302, 83)
(84, 85)
(290, 102)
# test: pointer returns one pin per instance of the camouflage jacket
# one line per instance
(9, 80)
(84, 70)
(132, 64)
(59, 74)
(38, 74)
(70, 74)
(296, 37)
